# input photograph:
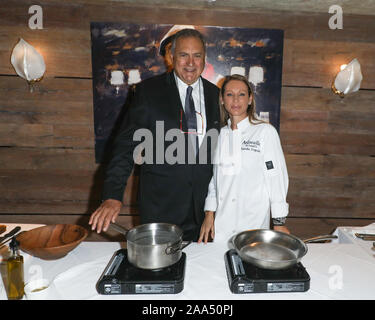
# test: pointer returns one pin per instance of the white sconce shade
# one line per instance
(349, 79)
(134, 76)
(117, 79)
(256, 75)
(238, 70)
(28, 63)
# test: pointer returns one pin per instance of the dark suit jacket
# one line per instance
(168, 192)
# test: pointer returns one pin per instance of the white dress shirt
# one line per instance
(250, 179)
(198, 97)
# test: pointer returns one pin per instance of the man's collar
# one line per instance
(181, 84)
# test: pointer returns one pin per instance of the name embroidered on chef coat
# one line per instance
(269, 165)
(251, 145)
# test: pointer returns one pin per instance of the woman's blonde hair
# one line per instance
(251, 110)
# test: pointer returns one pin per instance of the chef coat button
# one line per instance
(233, 199)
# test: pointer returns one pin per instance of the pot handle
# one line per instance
(320, 238)
(177, 246)
(119, 228)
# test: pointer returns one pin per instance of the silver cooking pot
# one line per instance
(153, 245)
(273, 250)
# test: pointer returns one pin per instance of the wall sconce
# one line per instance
(28, 63)
(117, 79)
(348, 80)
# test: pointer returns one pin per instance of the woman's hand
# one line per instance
(281, 229)
(208, 227)
(105, 214)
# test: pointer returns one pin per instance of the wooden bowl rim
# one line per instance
(85, 234)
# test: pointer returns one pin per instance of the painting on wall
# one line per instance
(124, 54)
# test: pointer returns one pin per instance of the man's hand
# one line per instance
(105, 214)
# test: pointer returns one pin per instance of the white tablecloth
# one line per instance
(337, 271)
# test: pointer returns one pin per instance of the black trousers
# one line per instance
(190, 226)
(192, 234)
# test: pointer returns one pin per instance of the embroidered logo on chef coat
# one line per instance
(269, 165)
(251, 145)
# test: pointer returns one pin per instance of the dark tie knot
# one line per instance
(189, 90)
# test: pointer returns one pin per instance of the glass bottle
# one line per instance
(15, 272)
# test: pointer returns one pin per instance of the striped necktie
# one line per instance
(191, 117)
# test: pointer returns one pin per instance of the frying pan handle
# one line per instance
(177, 246)
(184, 244)
(119, 228)
(320, 238)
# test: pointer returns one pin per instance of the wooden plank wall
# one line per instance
(48, 172)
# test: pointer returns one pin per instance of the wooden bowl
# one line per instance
(53, 241)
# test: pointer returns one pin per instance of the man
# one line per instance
(171, 193)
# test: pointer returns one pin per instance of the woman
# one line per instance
(250, 180)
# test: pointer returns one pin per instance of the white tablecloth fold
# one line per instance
(347, 235)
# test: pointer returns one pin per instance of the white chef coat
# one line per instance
(250, 179)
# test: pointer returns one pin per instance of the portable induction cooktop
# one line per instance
(121, 277)
(244, 277)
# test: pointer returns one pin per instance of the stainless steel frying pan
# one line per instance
(273, 250)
